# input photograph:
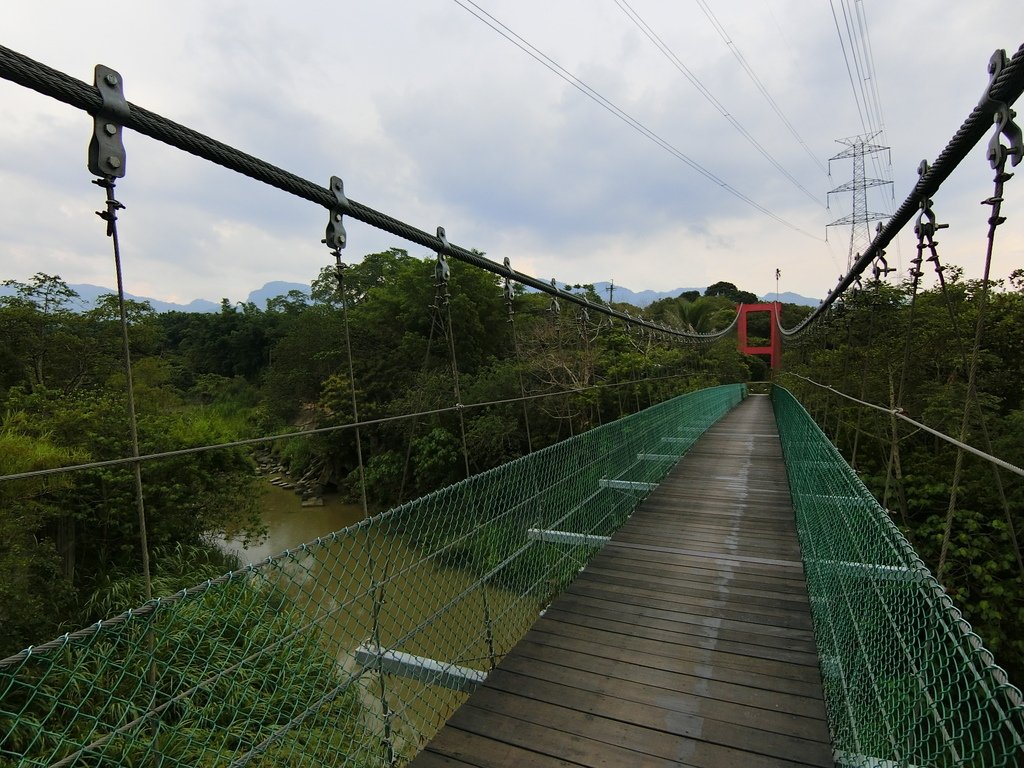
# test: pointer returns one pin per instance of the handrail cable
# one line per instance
(1005, 88)
(320, 430)
(898, 413)
(27, 72)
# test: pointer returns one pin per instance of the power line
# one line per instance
(867, 99)
(869, 61)
(662, 46)
(757, 82)
(871, 74)
(849, 70)
(535, 53)
(1005, 87)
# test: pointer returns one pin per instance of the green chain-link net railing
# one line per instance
(297, 660)
(906, 681)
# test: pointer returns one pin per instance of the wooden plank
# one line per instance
(700, 569)
(686, 641)
(702, 574)
(468, 748)
(547, 741)
(760, 674)
(640, 691)
(662, 715)
(697, 587)
(640, 669)
(653, 629)
(687, 623)
(588, 586)
(721, 556)
(430, 758)
(677, 742)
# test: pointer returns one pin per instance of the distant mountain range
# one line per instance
(787, 297)
(89, 293)
(645, 298)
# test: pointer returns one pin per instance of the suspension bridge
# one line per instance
(703, 582)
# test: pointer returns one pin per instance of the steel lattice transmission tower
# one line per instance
(858, 147)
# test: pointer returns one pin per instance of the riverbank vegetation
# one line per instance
(70, 550)
(889, 347)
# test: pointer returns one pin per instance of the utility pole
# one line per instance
(611, 292)
(858, 147)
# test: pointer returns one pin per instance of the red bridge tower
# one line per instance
(774, 348)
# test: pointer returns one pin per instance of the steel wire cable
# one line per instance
(731, 45)
(906, 680)
(1005, 88)
(704, 91)
(306, 612)
(898, 413)
(24, 71)
(524, 45)
(318, 430)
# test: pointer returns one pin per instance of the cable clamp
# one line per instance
(335, 236)
(106, 148)
(442, 272)
(1005, 127)
(509, 292)
(996, 64)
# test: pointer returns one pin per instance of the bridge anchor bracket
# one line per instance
(566, 537)
(420, 668)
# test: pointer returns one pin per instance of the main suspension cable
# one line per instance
(1006, 86)
(29, 73)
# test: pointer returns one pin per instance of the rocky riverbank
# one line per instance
(310, 487)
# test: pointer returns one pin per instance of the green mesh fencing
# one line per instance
(906, 681)
(354, 649)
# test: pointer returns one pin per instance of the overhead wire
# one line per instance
(868, 103)
(849, 69)
(856, 24)
(704, 91)
(1005, 87)
(535, 53)
(731, 45)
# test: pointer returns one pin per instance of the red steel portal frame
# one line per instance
(774, 348)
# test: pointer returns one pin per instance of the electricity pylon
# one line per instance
(858, 147)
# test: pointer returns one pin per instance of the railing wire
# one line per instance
(351, 650)
(906, 680)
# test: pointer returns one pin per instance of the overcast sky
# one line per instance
(431, 116)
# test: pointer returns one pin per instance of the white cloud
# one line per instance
(432, 117)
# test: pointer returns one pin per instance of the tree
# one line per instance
(731, 292)
(874, 347)
(34, 592)
(38, 329)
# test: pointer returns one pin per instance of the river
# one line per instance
(290, 524)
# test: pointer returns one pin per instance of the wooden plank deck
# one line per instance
(686, 641)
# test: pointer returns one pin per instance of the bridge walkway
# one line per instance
(686, 641)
